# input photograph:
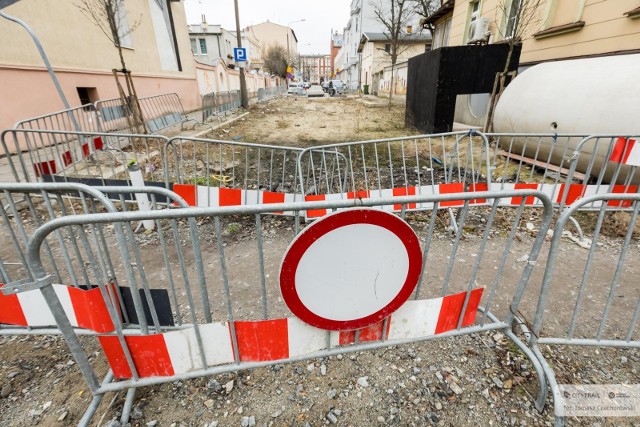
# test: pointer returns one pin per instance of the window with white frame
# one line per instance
(474, 14)
(437, 37)
(512, 19)
(203, 46)
(122, 22)
(447, 31)
(194, 46)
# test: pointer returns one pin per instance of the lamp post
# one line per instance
(244, 99)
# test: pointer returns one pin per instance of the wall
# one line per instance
(83, 57)
(210, 80)
(399, 79)
(606, 28)
(438, 76)
(375, 59)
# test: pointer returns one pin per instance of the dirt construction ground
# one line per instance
(478, 380)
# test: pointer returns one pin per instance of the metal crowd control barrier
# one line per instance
(417, 165)
(592, 300)
(267, 93)
(25, 206)
(603, 164)
(95, 158)
(208, 172)
(567, 167)
(225, 332)
(159, 112)
(218, 103)
(78, 119)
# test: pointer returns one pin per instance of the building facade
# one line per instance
(157, 52)
(362, 20)
(210, 42)
(556, 30)
(374, 51)
(315, 68)
(271, 34)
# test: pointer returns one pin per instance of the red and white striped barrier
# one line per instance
(62, 160)
(203, 196)
(626, 151)
(177, 352)
(84, 308)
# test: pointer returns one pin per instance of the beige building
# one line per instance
(374, 56)
(270, 34)
(157, 52)
(556, 30)
(559, 29)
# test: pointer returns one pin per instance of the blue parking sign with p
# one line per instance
(239, 54)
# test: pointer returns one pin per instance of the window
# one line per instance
(203, 46)
(447, 30)
(565, 12)
(387, 47)
(437, 37)
(474, 14)
(512, 19)
(194, 46)
(441, 36)
(87, 95)
(122, 22)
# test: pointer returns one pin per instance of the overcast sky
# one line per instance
(313, 34)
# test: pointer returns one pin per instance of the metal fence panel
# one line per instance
(589, 294)
(225, 173)
(72, 156)
(421, 164)
(206, 332)
(24, 207)
(159, 112)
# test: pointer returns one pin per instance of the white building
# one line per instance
(362, 20)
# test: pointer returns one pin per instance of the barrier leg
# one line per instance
(128, 405)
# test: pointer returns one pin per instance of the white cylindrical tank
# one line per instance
(581, 96)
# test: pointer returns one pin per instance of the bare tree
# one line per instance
(110, 17)
(395, 16)
(426, 8)
(514, 21)
(276, 60)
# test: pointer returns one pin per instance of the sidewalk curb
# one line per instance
(228, 122)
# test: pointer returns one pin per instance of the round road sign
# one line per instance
(350, 269)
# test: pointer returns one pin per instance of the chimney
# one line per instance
(204, 22)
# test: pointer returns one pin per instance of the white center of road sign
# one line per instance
(358, 268)
(239, 54)
(350, 269)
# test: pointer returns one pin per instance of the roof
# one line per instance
(384, 37)
(439, 13)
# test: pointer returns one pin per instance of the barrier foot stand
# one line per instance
(128, 404)
(553, 384)
(95, 402)
(531, 355)
(454, 222)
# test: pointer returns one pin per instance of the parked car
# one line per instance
(315, 90)
(295, 89)
(336, 87)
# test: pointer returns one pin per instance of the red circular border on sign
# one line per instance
(334, 221)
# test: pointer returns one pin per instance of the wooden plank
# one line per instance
(540, 164)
